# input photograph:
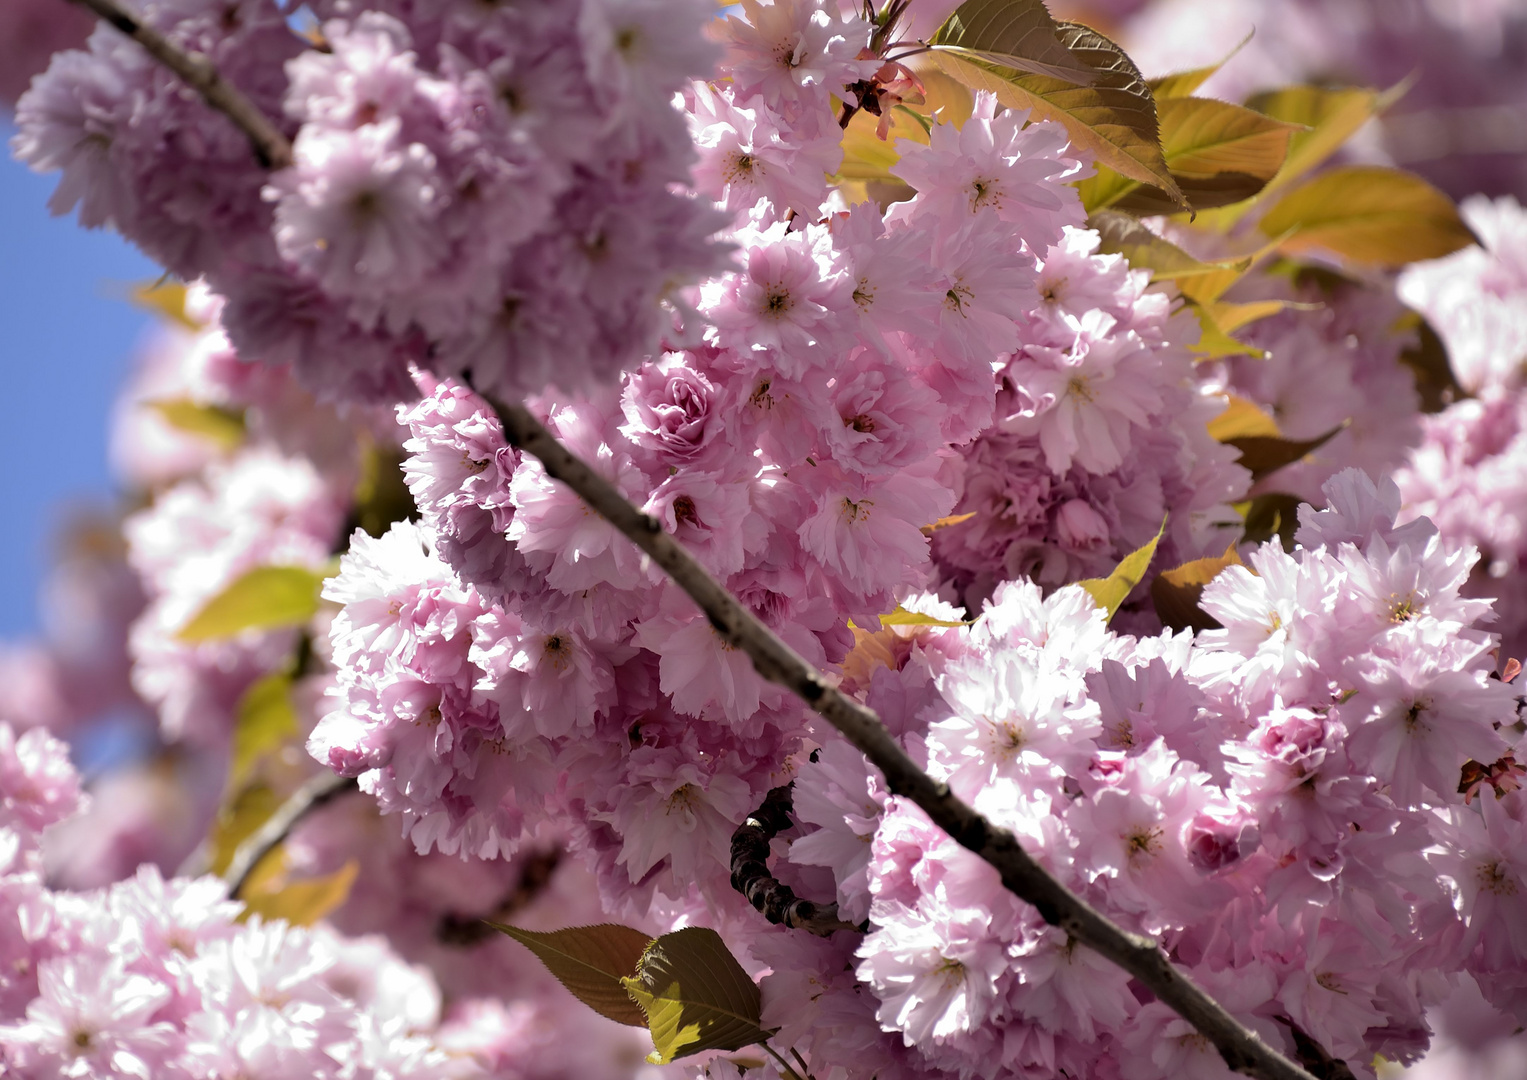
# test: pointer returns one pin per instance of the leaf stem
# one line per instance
(790, 1074)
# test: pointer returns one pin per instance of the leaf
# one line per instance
(1270, 515)
(265, 598)
(1263, 455)
(236, 821)
(1330, 115)
(1183, 83)
(695, 996)
(1231, 317)
(1124, 235)
(224, 427)
(945, 522)
(591, 961)
(1429, 365)
(268, 894)
(1243, 418)
(1111, 592)
(1214, 341)
(1176, 592)
(266, 722)
(1369, 214)
(902, 617)
(167, 299)
(1114, 118)
(381, 495)
(1017, 34)
(1218, 153)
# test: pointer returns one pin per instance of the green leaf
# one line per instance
(1263, 455)
(1124, 235)
(1111, 592)
(266, 722)
(1176, 592)
(1019, 35)
(695, 996)
(265, 598)
(592, 962)
(1114, 118)
(224, 427)
(1369, 214)
(1218, 153)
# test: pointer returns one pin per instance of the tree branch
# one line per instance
(321, 789)
(750, 871)
(271, 147)
(1243, 1050)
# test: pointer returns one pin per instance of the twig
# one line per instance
(751, 877)
(310, 796)
(1243, 1050)
(273, 149)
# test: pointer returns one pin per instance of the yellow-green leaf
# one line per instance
(302, 902)
(1124, 235)
(1114, 118)
(1019, 35)
(1369, 214)
(263, 599)
(1184, 83)
(695, 996)
(1263, 454)
(591, 961)
(1243, 419)
(1213, 340)
(1111, 592)
(266, 722)
(236, 822)
(1330, 116)
(1217, 152)
(167, 299)
(225, 427)
(1176, 592)
(902, 617)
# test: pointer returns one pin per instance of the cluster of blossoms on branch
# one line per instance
(898, 429)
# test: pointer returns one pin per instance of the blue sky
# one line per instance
(67, 336)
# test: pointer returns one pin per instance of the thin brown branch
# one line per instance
(775, 900)
(321, 789)
(1243, 1050)
(271, 147)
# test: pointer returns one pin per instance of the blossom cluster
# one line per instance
(1469, 474)
(898, 429)
(1246, 796)
(467, 185)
